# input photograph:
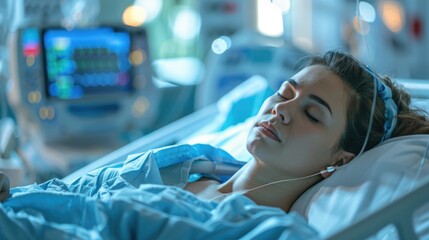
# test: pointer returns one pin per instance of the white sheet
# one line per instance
(128, 201)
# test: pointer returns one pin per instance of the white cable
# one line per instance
(375, 84)
(360, 25)
(374, 98)
(328, 170)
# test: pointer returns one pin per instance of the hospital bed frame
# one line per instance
(398, 213)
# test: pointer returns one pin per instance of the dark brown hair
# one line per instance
(359, 83)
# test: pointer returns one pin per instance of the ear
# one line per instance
(342, 157)
(338, 159)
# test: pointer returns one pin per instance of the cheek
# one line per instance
(316, 151)
(313, 152)
(315, 143)
(308, 155)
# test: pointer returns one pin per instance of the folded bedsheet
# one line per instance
(136, 200)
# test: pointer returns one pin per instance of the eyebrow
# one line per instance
(312, 96)
(321, 101)
(293, 82)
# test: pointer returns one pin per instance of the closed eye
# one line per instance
(310, 117)
(306, 112)
(281, 96)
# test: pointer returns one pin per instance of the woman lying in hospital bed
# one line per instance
(318, 121)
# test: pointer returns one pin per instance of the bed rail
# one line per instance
(418, 88)
(399, 213)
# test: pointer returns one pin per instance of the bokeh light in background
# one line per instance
(186, 24)
(270, 17)
(141, 12)
(79, 12)
(284, 5)
(366, 11)
(221, 44)
(137, 57)
(134, 16)
(392, 15)
(152, 7)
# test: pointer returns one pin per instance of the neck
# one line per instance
(255, 174)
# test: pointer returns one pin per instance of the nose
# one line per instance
(281, 111)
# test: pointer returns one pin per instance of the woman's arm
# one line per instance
(4, 187)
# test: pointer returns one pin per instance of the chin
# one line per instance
(252, 141)
(258, 149)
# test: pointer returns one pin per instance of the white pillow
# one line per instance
(369, 182)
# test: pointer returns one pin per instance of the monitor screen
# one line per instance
(86, 62)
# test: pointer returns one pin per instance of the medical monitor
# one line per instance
(84, 82)
(86, 62)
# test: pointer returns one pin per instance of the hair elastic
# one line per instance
(391, 111)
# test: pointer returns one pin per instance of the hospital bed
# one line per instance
(387, 197)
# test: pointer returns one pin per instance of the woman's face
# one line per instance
(298, 129)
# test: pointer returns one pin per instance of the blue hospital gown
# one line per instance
(143, 198)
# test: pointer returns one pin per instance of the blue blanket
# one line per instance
(139, 199)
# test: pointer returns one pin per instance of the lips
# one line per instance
(268, 130)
